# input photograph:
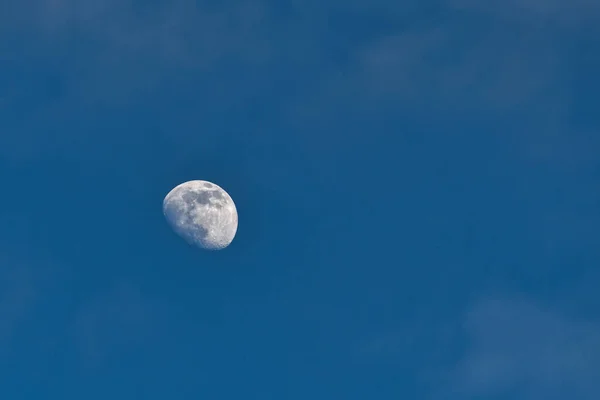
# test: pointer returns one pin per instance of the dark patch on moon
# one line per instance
(189, 230)
(203, 197)
(198, 233)
(208, 185)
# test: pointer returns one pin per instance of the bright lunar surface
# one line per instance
(202, 213)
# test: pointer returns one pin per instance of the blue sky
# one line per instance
(417, 184)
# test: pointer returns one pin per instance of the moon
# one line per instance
(202, 213)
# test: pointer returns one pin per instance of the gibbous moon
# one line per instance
(202, 213)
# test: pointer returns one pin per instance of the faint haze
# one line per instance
(120, 321)
(499, 68)
(17, 298)
(472, 124)
(520, 349)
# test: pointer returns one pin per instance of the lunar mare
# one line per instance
(202, 213)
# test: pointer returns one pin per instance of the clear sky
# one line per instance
(417, 185)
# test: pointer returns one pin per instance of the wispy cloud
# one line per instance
(171, 30)
(486, 48)
(470, 58)
(446, 68)
(507, 60)
(519, 349)
(474, 62)
(17, 298)
(64, 60)
(111, 52)
(557, 12)
(116, 322)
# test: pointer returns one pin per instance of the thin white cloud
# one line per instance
(519, 349)
(564, 13)
(110, 54)
(184, 32)
(471, 64)
(472, 60)
(442, 68)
